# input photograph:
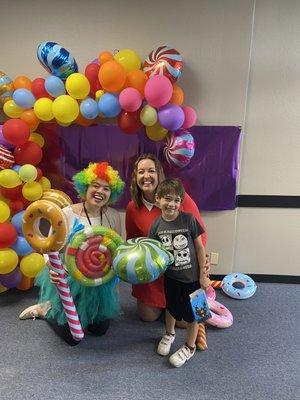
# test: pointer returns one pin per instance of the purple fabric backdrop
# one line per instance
(210, 178)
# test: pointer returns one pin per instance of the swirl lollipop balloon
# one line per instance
(6, 88)
(179, 148)
(164, 61)
(141, 260)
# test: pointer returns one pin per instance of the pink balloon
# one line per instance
(158, 91)
(130, 99)
(190, 117)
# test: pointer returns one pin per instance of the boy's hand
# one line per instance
(204, 281)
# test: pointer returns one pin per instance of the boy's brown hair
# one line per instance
(170, 186)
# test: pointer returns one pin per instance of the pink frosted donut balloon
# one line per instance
(179, 148)
(221, 316)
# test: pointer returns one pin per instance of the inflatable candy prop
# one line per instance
(141, 260)
(239, 286)
(221, 316)
(201, 342)
(6, 158)
(51, 245)
(89, 255)
(164, 61)
(179, 148)
(56, 60)
(6, 88)
(57, 197)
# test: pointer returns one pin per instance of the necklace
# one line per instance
(101, 216)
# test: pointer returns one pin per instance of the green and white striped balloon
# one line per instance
(141, 260)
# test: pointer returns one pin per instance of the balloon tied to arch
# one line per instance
(116, 85)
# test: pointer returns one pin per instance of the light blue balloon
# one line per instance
(22, 247)
(16, 167)
(17, 221)
(109, 105)
(89, 108)
(24, 98)
(54, 86)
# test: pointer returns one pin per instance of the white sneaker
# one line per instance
(181, 356)
(35, 311)
(165, 344)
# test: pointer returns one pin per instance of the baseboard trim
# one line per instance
(266, 278)
(266, 201)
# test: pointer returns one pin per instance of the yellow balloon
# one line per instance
(32, 191)
(11, 109)
(78, 85)
(37, 138)
(3, 289)
(43, 109)
(129, 59)
(98, 94)
(4, 211)
(32, 264)
(148, 115)
(9, 178)
(156, 132)
(45, 183)
(8, 260)
(65, 109)
(28, 173)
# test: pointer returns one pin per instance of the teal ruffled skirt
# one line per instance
(94, 304)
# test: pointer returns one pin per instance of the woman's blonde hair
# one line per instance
(135, 191)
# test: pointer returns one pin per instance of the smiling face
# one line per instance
(98, 193)
(147, 178)
(169, 205)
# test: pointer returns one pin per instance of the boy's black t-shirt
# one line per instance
(178, 237)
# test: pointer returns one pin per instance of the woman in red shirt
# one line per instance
(140, 214)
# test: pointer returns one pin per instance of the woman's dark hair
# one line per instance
(135, 191)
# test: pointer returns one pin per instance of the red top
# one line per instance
(138, 223)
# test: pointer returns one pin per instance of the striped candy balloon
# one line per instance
(56, 60)
(6, 158)
(164, 61)
(141, 260)
(179, 148)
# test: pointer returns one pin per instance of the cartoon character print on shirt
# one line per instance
(166, 240)
(181, 251)
(180, 242)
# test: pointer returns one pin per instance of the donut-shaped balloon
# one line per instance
(221, 316)
(141, 260)
(6, 88)
(179, 148)
(35, 212)
(56, 60)
(6, 158)
(88, 256)
(57, 197)
(239, 286)
(164, 61)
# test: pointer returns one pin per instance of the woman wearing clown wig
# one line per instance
(97, 185)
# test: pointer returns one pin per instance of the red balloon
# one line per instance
(28, 153)
(130, 122)
(11, 193)
(91, 72)
(8, 235)
(16, 131)
(16, 206)
(39, 174)
(38, 88)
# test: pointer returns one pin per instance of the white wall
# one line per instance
(216, 41)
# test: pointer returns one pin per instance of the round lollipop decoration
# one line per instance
(89, 255)
(164, 61)
(141, 260)
(179, 148)
(6, 158)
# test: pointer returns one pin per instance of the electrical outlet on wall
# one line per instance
(214, 258)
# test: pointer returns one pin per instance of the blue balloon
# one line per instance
(24, 98)
(89, 108)
(16, 167)
(109, 105)
(54, 86)
(22, 247)
(17, 221)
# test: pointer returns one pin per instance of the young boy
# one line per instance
(180, 233)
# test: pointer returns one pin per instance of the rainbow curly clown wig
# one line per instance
(103, 171)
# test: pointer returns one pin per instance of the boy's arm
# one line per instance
(200, 253)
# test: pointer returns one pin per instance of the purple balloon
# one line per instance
(12, 279)
(171, 117)
(3, 142)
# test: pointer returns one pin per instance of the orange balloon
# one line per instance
(136, 79)
(22, 82)
(26, 283)
(112, 76)
(177, 96)
(80, 120)
(105, 56)
(30, 118)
